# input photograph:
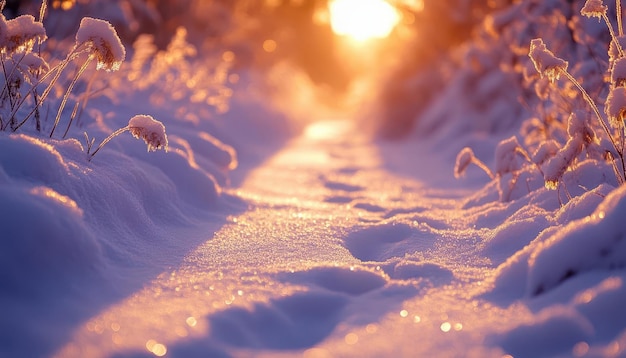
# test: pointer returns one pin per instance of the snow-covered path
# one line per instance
(334, 256)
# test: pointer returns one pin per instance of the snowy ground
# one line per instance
(323, 242)
(326, 249)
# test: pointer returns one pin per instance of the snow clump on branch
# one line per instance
(101, 36)
(594, 8)
(150, 130)
(616, 105)
(21, 33)
(545, 62)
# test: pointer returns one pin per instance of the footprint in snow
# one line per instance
(338, 199)
(372, 208)
(351, 281)
(406, 270)
(294, 322)
(349, 170)
(335, 185)
(382, 242)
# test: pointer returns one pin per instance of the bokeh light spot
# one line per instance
(363, 19)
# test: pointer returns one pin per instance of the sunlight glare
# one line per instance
(363, 19)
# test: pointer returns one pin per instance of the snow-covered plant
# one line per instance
(596, 8)
(511, 159)
(22, 33)
(177, 73)
(95, 39)
(580, 134)
(141, 126)
(508, 153)
(545, 62)
(102, 43)
(18, 36)
(464, 159)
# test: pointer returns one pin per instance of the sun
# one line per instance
(362, 19)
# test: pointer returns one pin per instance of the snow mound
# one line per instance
(537, 339)
(46, 238)
(596, 242)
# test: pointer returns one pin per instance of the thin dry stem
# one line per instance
(591, 103)
(70, 87)
(618, 7)
(479, 163)
(42, 10)
(106, 140)
(72, 116)
(617, 44)
(57, 70)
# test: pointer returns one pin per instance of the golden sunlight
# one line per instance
(362, 19)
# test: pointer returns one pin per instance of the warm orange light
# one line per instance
(363, 19)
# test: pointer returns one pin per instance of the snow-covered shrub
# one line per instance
(512, 161)
(95, 39)
(195, 83)
(581, 135)
(579, 123)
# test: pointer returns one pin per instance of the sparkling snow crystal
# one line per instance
(150, 130)
(104, 41)
(545, 62)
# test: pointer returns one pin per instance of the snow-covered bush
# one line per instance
(574, 128)
(177, 73)
(24, 71)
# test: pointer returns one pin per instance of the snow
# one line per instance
(107, 46)
(280, 228)
(594, 8)
(21, 33)
(150, 130)
(545, 62)
(616, 105)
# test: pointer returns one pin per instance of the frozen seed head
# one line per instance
(554, 169)
(32, 62)
(507, 160)
(618, 74)
(594, 8)
(104, 42)
(616, 106)
(463, 160)
(614, 52)
(150, 130)
(29, 64)
(545, 151)
(577, 125)
(545, 62)
(22, 33)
